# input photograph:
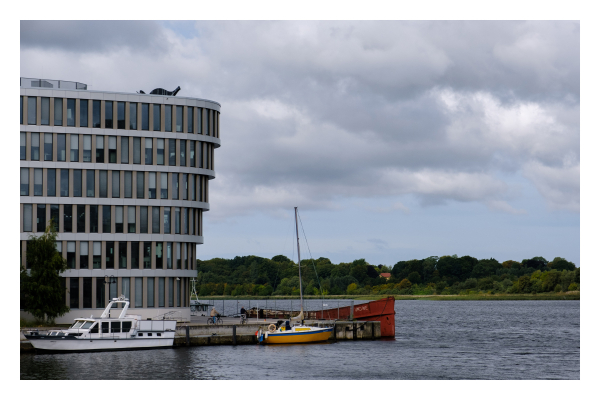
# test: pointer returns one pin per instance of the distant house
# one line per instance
(385, 275)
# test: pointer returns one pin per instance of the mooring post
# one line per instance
(187, 335)
(234, 338)
(354, 331)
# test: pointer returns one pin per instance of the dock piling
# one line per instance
(187, 335)
(234, 339)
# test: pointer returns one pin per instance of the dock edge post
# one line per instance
(187, 335)
(234, 338)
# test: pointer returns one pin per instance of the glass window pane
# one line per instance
(58, 112)
(61, 147)
(127, 184)
(167, 220)
(23, 145)
(47, 147)
(156, 117)
(108, 114)
(97, 262)
(123, 262)
(148, 151)
(83, 113)
(121, 115)
(133, 116)
(116, 184)
(110, 259)
(199, 120)
(152, 185)
(68, 218)
(87, 290)
(192, 153)
(131, 219)
(124, 150)
(54, 215)
(74, 148)
(87, 148)
(45, 111)
(35, 146)
(175, 189)
(179, 121)
(41, 217)
(147, 251)
(159, 255)
(164, 185)
(169, 255)
(96, 104)
(32, 110)
(155, 219)
(99, 149)
(77, 189)
(51, 182)
(171, 291)
(190, 120)
(70, 112)
(168, 118)
(64, 183)
(161, 292)
(135, 255)
(193, 186)
(185, 221)
(118, 219)
(81, 218)
(73, 288)
(172, 153)
(143, 219)
(160, 151)
(140, 184)
(94, 219)
(137, 150)
(182, 152)
(27, 217)
(90, 183)
(150, 291)
(112, 149)
(145, 116)
(103, 183)
(106, 228)
(177, 218)
(37, 182)
(139, 300)
(184, 184)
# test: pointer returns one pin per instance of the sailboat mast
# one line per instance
(299, 271)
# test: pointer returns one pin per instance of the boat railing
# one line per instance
(176, 315)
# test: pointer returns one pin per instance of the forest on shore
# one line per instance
(257, 276)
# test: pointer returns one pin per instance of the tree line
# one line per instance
(257, 276)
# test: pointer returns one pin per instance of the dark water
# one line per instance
(434, 340)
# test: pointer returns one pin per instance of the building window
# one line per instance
(77, 189)
(193, 186)
(23, 145)
(45, 120)
(27, 217)
(106, 219)
(182, 152)
(83, 113)
(68, 218)
(81, 218)
(93, 219)
(74, 291)
(41, 217)
(87, 292)
(84, 260)
(108, 114)
(184, 184)
(159, 255)
(178, 255)
(121, 115)
(145, 116)
(87, 148)
(97, 264)
(160, 151)
(47, 147)
(74, 148)
(110, 255)
(185, 221)
(135, 257)
(118, 219)
(70, 112)
(175, 189)
(133, 116)
(172, 153)
(24, 181)
(150, 292)
(64, 183)
(147, 262)
(130, 219)
(192, 153)
(171, 291)
(21, 97)
(164, 185)
(151, 185)
(137, 150)
(168, 118)
(139, 179)
(99, 149)
(161, 292)
(58, 112)
(177, 218)
(124, 150)
(103, 183)
(112, 149)
(190, 119)
(201, 156)
(37, 182)
(156, 117)
(199, 120)
(35, 146)
(31, 110)
(123, 260)
(127, 184)
(139, 292)
(143, 219)
(167, 220)
(155, 219)
(179, 119)
(61, 147)
(54, 215)
(96, 104)
(100, 292)
(50, 182)
(148, 152)
(169, 255)
(71, 256)
(90, 183)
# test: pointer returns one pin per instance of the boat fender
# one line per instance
(272, 328)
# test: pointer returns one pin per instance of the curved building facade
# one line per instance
(124, 178)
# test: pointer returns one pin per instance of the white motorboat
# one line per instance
(125, 332)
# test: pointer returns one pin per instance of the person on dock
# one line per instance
(243, 310)
(214, 314)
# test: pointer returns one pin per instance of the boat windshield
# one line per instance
(77, 324)
(87, 324)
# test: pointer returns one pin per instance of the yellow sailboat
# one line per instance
(296, 332)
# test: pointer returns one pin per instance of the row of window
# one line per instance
(83, 218)
(104, 149)
(120, 115)
(51, 182)
(150, 290)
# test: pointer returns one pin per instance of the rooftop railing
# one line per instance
(52, 84)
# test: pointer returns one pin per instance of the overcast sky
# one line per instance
(396, 140)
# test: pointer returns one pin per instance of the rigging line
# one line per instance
(311, 257)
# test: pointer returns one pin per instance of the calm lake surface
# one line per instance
(434, 340)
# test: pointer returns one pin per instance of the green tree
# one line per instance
(414, 277)
(41, 286)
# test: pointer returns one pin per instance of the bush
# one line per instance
(573, 286)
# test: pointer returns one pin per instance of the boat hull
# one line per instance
(297, 337)
(78, 345)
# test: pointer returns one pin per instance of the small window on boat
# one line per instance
(53, 333)
(126, 326)
(149, 334)
(77, 324)
(115, 326)
(60, 334)
(94, 329)
(158, 334)
(86, 325)
(140, 334)
(105, 327)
